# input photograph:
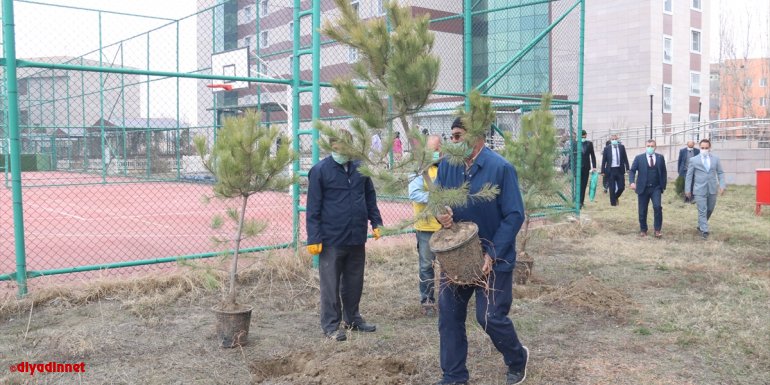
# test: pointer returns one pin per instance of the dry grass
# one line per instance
(604, 307)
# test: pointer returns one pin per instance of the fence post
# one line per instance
(468, 45)
(9, 42)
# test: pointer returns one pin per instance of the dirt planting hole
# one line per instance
(341, 368)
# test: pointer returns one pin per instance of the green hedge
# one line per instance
(30, 162)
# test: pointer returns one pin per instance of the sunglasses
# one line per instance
(456, 136)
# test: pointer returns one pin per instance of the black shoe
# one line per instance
(517, 376)
(362, 327)
(705, 235)
(442, 382)
(337, 335)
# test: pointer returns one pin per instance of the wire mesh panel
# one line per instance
(114, 175)
(110, 102)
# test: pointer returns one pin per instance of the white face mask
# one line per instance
(704, 152)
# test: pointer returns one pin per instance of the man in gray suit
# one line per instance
(703, 173)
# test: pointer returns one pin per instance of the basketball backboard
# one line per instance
(233, 63)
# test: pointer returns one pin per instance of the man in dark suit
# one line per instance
(685, 154)
(649, 170)
(615, 165)
(588, 164)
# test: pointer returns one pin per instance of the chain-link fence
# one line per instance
(109, 174)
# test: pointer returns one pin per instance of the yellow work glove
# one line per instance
(315, 249)
(376, 233)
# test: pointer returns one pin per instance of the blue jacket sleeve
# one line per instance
(632, 171)
(371, 204)
(417, 191)
(512, 209)
(314, 206)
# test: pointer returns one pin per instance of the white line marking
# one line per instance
(57, 212)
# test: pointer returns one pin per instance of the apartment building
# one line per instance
(744, 90)
(638, 49)
(264, 28)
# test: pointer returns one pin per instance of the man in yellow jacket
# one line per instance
(418, 193)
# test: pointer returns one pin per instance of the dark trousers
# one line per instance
(616, 182)
(651, 193)
(341, 269)
(492, 308)
(584, 174)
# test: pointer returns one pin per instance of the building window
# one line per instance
(763, 82)
(291, 30)
(695, 41)
(695, 83)
(352, 55)
(263, 9)
(380, 7)
(763, 102)
(247, 42)
(696, 4)
(748, 82)
(263, 68)
(249, 13)
(667, 6)
(667, 98)
(356, 7)
(667, 49)
(264, 40)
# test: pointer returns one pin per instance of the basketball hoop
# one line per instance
(226, 87)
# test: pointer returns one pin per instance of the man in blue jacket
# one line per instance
(339, 203)
(649, 170)
(499, 220)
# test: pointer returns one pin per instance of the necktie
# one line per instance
(617, 156)
(652, 164)
(708, 163)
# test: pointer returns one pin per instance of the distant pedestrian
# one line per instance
(615, 165)
(588, 160)
(398, 147)
(705, 178)
(685, 154)
(649, 171)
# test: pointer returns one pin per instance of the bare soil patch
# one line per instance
(590, 294)
(603, 306)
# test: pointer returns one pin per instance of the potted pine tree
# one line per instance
(533, 153)
(398, 72)
(244, 161)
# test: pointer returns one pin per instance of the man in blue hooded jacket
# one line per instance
(498, 220)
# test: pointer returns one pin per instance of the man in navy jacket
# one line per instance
(650, 185)
(685, 154)
(614, 166)
(499, 220)
(340, 201)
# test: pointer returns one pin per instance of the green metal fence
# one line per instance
(108, 103)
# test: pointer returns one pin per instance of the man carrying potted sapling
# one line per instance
(498, 221)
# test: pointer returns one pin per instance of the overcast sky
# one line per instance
(49, 31)
(748, 20)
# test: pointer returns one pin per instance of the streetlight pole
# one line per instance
(651, 116)
(651, 92)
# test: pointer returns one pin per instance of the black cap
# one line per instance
(585, 133)
(458, 123)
